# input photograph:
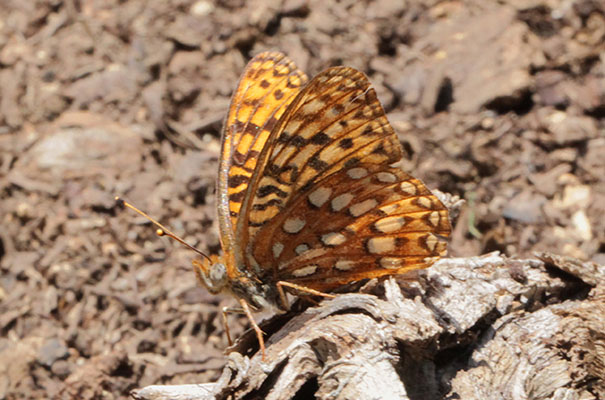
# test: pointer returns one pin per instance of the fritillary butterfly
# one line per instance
(307, 199)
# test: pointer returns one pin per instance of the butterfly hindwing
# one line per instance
(336, 121)
(324, 208)
(361, 222)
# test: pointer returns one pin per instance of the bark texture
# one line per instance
(471, 328)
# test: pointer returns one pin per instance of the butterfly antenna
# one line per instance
(162, 231)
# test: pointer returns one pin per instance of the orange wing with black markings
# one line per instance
(269, 83)
(324, 207)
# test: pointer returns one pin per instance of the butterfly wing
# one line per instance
(361, 222)
(300, 226)
(269, 83)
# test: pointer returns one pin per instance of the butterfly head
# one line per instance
(217, 275)
(212, 273)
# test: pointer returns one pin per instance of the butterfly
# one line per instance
(307, 198)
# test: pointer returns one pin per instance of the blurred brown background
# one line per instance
(501, 103)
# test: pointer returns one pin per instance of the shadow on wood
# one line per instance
(470, 328)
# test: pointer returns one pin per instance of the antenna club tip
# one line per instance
(161, 231)
(119, 201)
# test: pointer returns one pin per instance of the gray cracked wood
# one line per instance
(470, 328)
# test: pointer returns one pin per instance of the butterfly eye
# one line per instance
(213, 277)
(218, 275)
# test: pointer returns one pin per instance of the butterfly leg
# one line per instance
(244, 309)
(259, 332)
(282, 294)
(230, 310)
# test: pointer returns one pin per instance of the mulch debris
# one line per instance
(500, 103)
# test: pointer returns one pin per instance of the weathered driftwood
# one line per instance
(472, 328)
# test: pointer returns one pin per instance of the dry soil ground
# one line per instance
(499, 102)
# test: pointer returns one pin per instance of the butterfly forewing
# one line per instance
(269, 83)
